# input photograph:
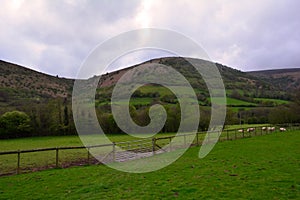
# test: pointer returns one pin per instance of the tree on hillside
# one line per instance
(231, 117)
(14, 124)
(282, 114)
(296, 98)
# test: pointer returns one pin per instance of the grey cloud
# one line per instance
(56, 36)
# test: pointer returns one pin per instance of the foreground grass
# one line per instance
(265, 167)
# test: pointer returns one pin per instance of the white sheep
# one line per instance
(271, 129)
(282, 129)
(250, 129)
(241, 130)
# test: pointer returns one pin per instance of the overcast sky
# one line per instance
(56, 36)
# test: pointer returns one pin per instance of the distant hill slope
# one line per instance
(43, 97)
(233, 79)
(285, 79)
(17, 82)
(26, 83)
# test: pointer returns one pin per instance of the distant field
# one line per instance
(277, 101)
(235, 102)
(265, 167)
(244, 126)
(140, 101)
(161, 90)
(240, 91)
(236, 109)
(134, 101)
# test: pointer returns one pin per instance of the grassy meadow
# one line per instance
(265, 167)
(46, 159)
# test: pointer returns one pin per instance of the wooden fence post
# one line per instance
(56, 160)
(197, 139)
(208, 136)
(18, 162)
(235, 134)
(153, 146)
(114, 151)
(260, 131)
(88, 155)
(227, 135)
(184, 140)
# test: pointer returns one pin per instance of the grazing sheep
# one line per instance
(282, 129)
(271, 129)
(264, 128)
(250, 129)
(241, 130)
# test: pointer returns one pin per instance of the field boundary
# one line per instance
(150, 146)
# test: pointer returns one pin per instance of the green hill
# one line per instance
(47, 99)
(239, 85)
(284, 79)
(19, 84)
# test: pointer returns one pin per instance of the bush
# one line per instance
(14, 124)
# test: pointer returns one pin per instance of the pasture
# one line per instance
(34, 161)
(275, 101)
(39, 160)
(69, 155)
(264, 167)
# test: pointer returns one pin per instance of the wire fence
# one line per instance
(21, 161)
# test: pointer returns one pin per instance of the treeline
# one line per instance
(260, 93)
(55, 117)
(280, 114)
(141, 117)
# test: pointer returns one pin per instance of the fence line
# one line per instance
(151, 146)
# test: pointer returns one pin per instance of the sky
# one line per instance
(55, 36)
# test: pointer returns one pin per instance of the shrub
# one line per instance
(14, 124)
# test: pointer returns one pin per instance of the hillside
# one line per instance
(47, 99)
(238, 84)
(232, 78)
(18, 82)
(285, 79)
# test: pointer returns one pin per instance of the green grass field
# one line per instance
(235, 102)
(244, 126)
(276, 101)
(47, 158)
(160, 89)
(265, 167)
